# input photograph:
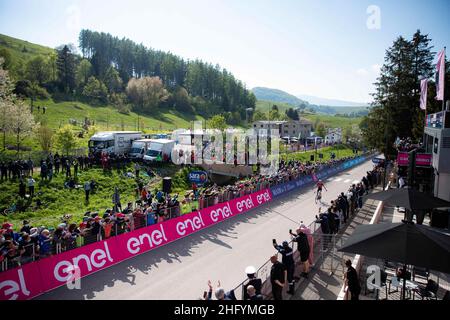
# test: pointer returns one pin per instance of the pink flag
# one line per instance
(315, 177)
(440, 76)
(423, 94)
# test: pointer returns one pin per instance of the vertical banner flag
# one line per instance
(423, 94)
(440, 76)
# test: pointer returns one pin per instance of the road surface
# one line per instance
(180, 270)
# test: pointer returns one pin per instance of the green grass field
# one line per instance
(341, 151)
(105, 118)
(266, 106)
(58, 200)
(22, 50)
(329, 120)
(332, 121)
(108, 118)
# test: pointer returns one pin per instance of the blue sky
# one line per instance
(321, 47)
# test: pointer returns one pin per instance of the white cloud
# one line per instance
(362, 72)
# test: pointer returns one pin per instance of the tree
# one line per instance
(7, 58)
(21, 123)
(113, 81)
(395, 111)
(6, 101)
(320, 130)
(95, 91)
(292, 114)
(217, 122)
(146, 93)
(66, 67)
(37, 70)
(5, 120)
(217, 86)
(180, 100)
(84, 71)
(64, 139)
(274, 115)
(258, 115)
(45, 135)
(275, 107)
(347, 134)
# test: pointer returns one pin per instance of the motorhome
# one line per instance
(113, 142)
(159, 150)
(139, 148)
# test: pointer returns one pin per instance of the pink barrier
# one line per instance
(422, 159)
(44, 275)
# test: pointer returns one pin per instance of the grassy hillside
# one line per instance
(278, 96)
(265, 106)
(107, 117)
(340, 151)
(332, 121)
(21, 50)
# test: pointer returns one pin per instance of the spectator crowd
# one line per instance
(30, 243)
(282, 274)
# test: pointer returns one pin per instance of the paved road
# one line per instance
(180, 270)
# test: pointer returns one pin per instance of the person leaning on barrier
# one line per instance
(287, 259)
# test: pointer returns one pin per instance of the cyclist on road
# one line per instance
(320, 185)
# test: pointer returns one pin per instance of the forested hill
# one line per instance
(199, 78)
(114, 71)
(276, 95)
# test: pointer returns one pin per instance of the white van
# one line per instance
(113, 142)
(159, 149)
(139, 148)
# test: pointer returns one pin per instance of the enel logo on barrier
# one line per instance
(44, 275)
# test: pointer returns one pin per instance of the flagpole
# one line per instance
(443, 87)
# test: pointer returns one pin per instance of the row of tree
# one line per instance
(117, 61)
(131, 76)
(396, 111)
(275, 114)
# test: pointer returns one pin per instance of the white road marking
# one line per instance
(356, 181)
(338, 179)
(347, 181)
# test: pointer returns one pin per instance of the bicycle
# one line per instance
(318, 196)
(11, 209)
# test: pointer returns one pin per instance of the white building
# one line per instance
(292, 129)
(333, 135)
